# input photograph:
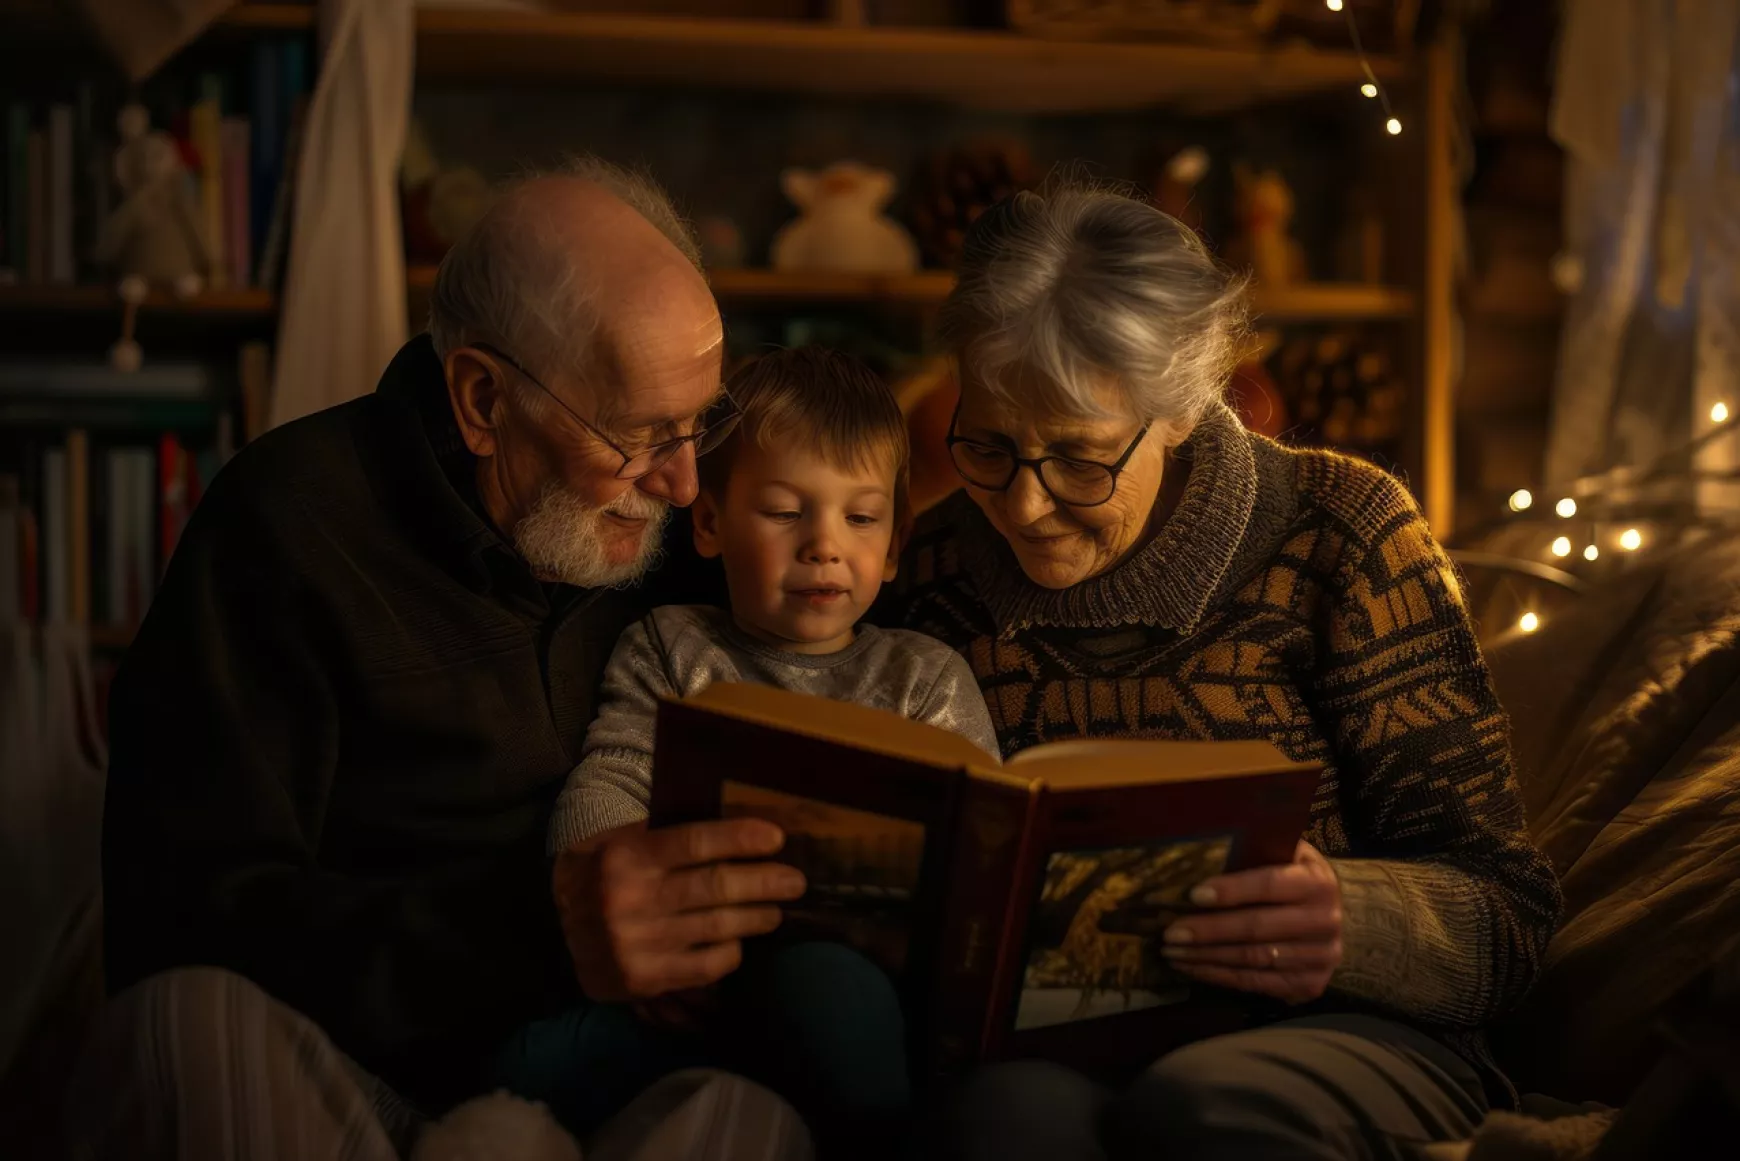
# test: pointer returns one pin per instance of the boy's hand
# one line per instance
(646, 913)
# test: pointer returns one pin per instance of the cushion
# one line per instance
(1626, 720)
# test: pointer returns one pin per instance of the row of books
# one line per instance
(85, 529)
(236, 138)
(99, 472)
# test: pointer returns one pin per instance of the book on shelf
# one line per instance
(233, 130)
(108, 467)
(1018, 906)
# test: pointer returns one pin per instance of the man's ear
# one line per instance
(477, 391)
(704, 519)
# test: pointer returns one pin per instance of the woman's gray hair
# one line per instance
(1078, 282)
(508, 281)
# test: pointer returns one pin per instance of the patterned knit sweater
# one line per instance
(1298, 597)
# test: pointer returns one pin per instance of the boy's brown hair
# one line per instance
(828, 399)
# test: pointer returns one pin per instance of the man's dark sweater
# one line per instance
(338, 736)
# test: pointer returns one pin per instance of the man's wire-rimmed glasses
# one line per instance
(710, 430)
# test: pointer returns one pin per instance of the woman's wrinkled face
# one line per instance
(1060, 545)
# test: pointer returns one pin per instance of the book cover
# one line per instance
(1019, 907)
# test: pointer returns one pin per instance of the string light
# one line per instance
(1566, 508)
(1529, 623)
(1521, 500)
(1591, 552)
(1370, 87)
(1631, 540)
(1562, 546)
(1719, 413)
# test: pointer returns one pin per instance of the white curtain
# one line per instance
(1647, 108)
(343, 313)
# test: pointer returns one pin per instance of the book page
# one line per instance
(1101, 763)
(845, 722)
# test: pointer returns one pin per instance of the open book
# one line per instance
(1018, 906)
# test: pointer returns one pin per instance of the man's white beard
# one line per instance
(563, 538)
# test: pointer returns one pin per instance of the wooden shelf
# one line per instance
(58, 299)
(976, 69)
(1333, 302)
(925, 288)
(1310, 302)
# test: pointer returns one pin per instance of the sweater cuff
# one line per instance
(1414, 940)
(588, 811)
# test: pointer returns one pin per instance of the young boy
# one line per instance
(801, 503)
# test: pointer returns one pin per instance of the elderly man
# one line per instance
(372, 662)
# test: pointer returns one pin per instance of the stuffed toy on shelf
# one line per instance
(153, 237)
(841, 227)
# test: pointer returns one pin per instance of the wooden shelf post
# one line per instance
(1437, 287)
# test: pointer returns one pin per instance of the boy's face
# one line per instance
(806, 544)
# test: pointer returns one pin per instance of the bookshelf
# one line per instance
(993, 71)
(989, 70)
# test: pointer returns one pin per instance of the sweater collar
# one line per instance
(1169, 583)
(434, 472)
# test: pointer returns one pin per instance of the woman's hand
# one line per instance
(1273, 930)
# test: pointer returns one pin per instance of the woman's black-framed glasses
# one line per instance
(1077, 483)
(710, 430)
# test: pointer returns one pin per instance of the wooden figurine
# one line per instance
(1263, 208)
(841, 226)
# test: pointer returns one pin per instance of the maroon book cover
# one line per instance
(1019, 906)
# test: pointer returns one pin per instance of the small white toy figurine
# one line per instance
(841, 226)
(153, 236)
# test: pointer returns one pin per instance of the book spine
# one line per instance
(78, 510)
(141, 541)
(36, 227)
(203, 125)
(235, 159)
(18, 190)
(1007, 979)
(102, 520)
(993, 821)
(11, 551)
(54, 536)
(61, 267)
(117, 608)
(267, 144)
(255, 377)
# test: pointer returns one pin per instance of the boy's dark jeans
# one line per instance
(816, 1022)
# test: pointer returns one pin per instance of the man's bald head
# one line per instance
(563, 262)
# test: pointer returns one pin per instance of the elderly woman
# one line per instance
(1128, 561)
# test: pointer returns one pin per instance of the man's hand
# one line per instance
(1273, 930)
(650, 912)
